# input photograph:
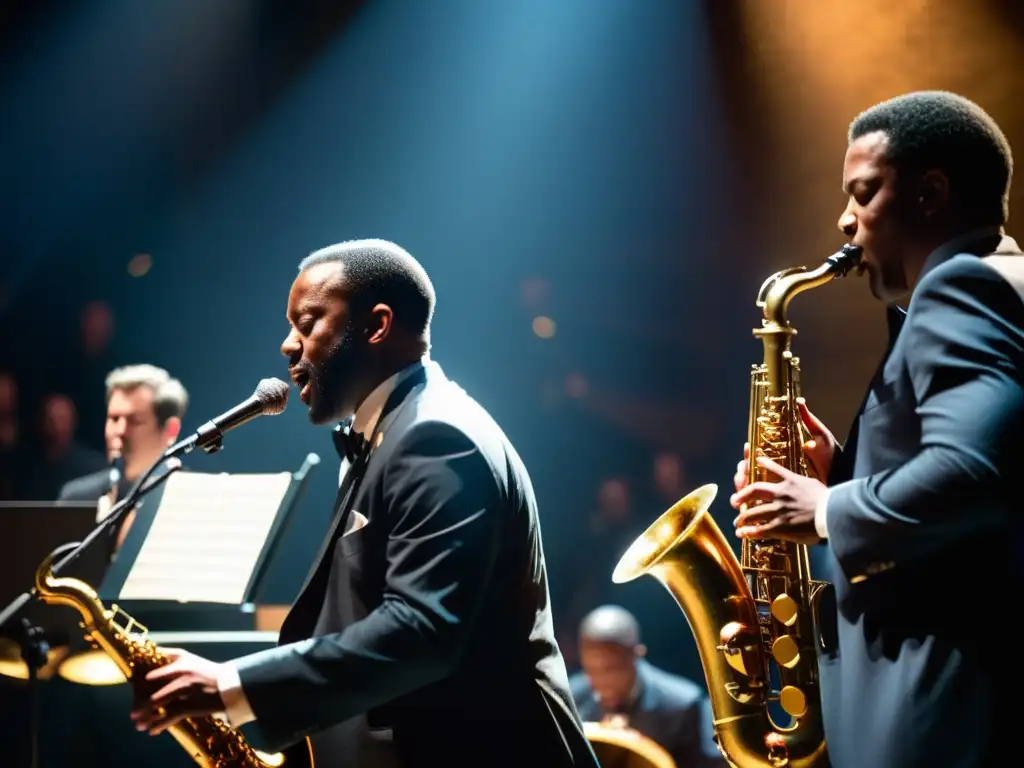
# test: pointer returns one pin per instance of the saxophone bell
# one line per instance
(753, 618)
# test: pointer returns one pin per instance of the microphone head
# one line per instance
(116, 467)
(273, 396)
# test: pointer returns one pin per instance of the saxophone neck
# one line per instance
(779, 289)
(71, 593)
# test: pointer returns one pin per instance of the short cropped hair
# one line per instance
(611, 624)
(170, 399)
(941, 130)
(380, 272)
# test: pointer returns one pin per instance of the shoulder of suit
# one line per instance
(673, 690)
(85, 488)
(1009, 266)
(447, 410)
(443, 417)
(979, 276)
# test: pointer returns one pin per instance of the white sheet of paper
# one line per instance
(206, 537)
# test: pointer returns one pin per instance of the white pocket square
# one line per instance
(356, 520)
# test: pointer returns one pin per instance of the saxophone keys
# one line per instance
(785, 610)
(740, 644)
(778, 751)
(793, 701)
(786, 652)
(743, 694)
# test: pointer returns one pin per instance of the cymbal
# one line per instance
(12, 665)
(91, 668)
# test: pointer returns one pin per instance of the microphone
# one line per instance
(269, 399)
(115, 476)
(116, 470)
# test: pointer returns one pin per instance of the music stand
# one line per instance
(206, 542)
(31, 530)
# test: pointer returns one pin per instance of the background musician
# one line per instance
(145, 407)
(921, 505)
(429, 599)
(617, 681)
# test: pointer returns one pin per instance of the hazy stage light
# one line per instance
(544, 327)
(140, 264)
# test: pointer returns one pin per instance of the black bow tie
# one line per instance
(350, 444)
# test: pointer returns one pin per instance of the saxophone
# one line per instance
(753, 619)
(209, 741)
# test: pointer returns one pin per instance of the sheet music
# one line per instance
(206, 537)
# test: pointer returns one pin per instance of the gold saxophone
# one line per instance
(753, 619)
(209, 741)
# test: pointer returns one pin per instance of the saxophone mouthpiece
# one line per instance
(845, 259)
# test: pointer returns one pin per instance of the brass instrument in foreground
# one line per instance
(617, 745)
(756, 615)
(209, 741)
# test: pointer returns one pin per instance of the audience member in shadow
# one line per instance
(58, 456)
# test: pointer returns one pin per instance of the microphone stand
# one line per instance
(34, 651)
(31, 638)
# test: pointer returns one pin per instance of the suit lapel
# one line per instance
(842, 468)
(349, 489)
(399, 399)
(342, 502)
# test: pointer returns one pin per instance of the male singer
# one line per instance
(423, 634)
(921, 512)
(145, 407)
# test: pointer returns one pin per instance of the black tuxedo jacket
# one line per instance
(425, 637)
(924, 527)
(669, 710)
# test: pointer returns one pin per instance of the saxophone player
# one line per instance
(919, 512)
(618, 682)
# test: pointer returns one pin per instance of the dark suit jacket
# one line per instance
(924, 528)
(431, 635)
(670, 710)
(88, 487)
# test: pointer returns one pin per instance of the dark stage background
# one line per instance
(597, 189)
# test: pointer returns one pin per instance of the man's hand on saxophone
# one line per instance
(187, 687)
(793, 507)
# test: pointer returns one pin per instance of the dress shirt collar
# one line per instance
(369, 411)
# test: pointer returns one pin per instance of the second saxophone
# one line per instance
(753, 618)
